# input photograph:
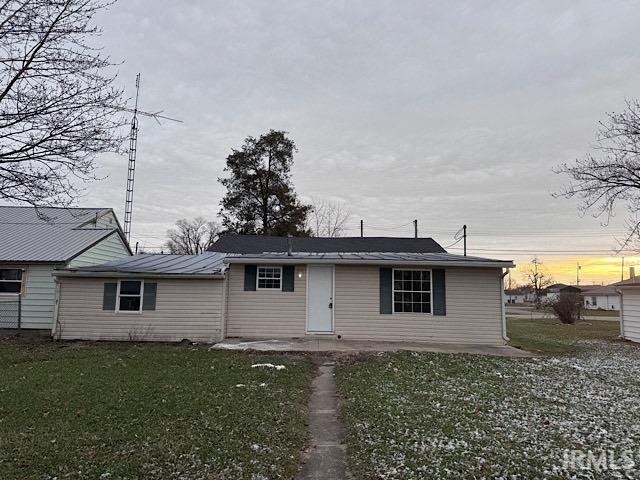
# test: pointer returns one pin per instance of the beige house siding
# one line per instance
(185, 308)
(473, 302)
(631, 314)
(473, 297)
(264, 313)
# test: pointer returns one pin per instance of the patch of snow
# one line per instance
(268, 365)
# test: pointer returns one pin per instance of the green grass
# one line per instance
(429, 415)
(552, 337)
(116, 411)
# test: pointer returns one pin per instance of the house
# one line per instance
(520, 294)
(629, 290)
(552, 292)
(600, 297)
(35, 242)
(145, 297)
(371, 288)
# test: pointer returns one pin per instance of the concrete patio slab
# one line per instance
(326, 344)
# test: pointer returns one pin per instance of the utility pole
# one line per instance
(622, 270)
(415, 228)
(578, 274)
(464, 239)
(362, 228)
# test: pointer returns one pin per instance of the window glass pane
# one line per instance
(10, 287)
(130, 304)
(269, 277)
(130, 287)
(10, 274)
(412, 291)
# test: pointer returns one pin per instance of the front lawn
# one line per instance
(115, 411)
(428, 415)
(549, 335)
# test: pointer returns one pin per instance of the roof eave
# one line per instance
(95, 274)
(303, 261)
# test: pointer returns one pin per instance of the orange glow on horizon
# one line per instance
(594, 270)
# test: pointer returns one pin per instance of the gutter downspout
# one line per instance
(621, 313)
(55, 329)
(503, 309)
(225, 307)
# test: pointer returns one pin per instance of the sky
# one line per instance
(451, 113)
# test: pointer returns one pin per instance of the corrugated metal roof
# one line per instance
(206, 264)
(369, 257)
(265, 243)
(54, 236)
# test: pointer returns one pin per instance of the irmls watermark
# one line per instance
(601, 460)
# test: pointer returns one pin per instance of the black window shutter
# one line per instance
(385, 290)
(109, 296)
(439, 292)
(149, 296)
(250, 274)
(288, 274)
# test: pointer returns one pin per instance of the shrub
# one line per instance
(567, 307)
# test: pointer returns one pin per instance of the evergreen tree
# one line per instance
(260, 198)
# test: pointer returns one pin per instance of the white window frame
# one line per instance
(393, 290)
(129, 295)
(21, 282)
(268, 289)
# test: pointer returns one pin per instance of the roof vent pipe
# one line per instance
(289, 246)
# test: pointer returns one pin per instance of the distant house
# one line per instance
(34, 243)
(520, 295)
(552, 292)
(599, 297)
(261, 287)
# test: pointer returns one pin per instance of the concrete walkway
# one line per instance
(325, 458)
(330, 344)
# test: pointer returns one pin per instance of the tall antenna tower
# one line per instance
(133, 149)
(131, 170)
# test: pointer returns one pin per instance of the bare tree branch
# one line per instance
(538, 278)
(59, 107)
(613, 176)
(328, 219)
(192, 237)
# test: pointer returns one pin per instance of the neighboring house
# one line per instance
(34, 243)
(395, 289)
(600, 297)
(552, 292)
(520, 295)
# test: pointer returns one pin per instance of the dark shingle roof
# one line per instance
(262, 244)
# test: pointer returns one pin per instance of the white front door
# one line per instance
(320, 299)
